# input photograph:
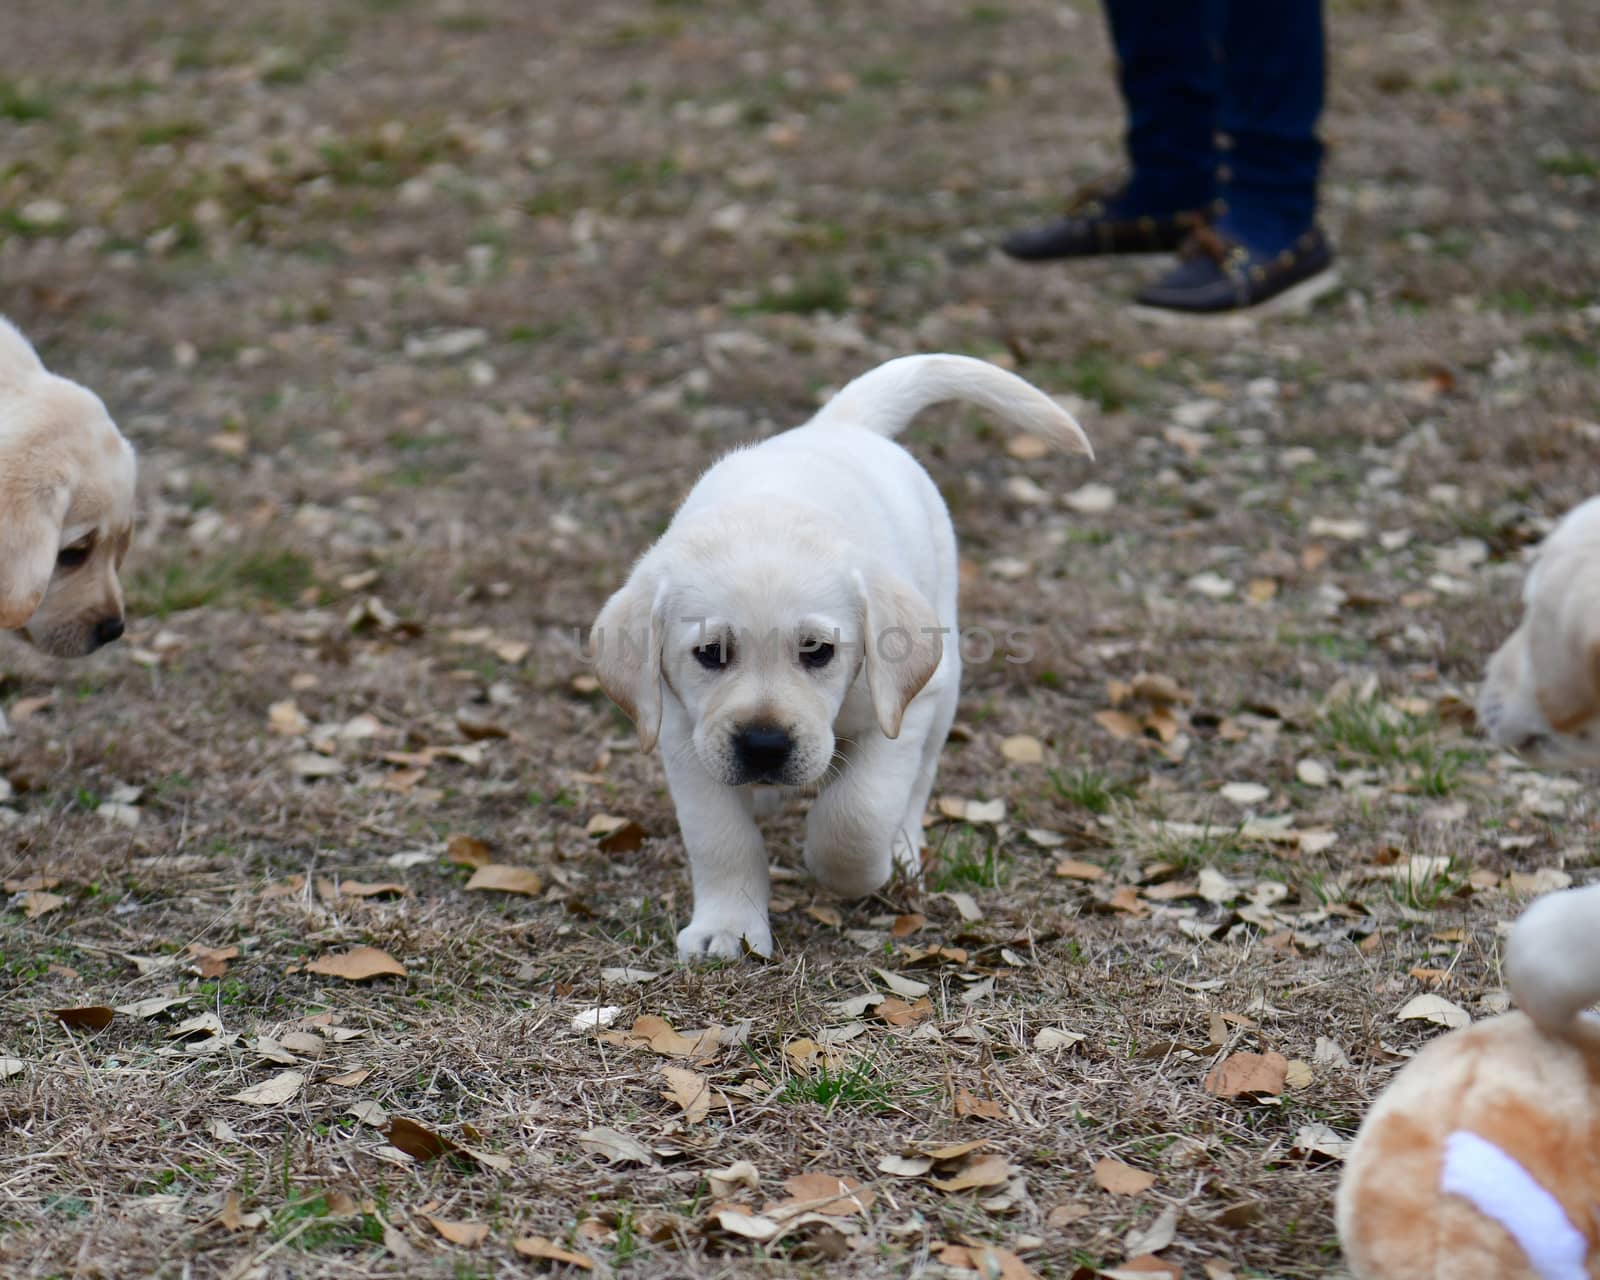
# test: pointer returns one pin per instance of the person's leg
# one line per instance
(1273, 75)
(1265, 243)
(1170, 76)
(1168, 70)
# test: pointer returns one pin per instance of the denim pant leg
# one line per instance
(1272, 85)
(1169, 71)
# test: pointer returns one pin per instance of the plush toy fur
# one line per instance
(1481, 1161)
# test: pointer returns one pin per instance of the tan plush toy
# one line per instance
(1481, 1161)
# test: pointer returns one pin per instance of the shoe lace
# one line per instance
(1206, 241)
(1097, 193)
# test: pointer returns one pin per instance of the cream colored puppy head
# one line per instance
(759, 620)
(1541, 694)
(66, 507)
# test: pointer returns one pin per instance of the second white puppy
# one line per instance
(789, 628)
(1541, 694)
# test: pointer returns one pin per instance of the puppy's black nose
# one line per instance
(107, 630)
(763, 749)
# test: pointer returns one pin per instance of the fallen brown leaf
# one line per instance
(283, 888)
(1119, 724)
(969, 1104)
(1064, 1215)
(27, 884)
(38, 902)
(468, 851)
(366, 889)
(692, 1092)
(1240, 1073)
(550, 1251)
(657, 1035)
(507, 879)
(467, 1234)
(357, 965)
(899, 1013)
(904, 926)
(822, 1193)
(211, 962)
(271, 1092)
(421, 1143)
(350, 1079)
(985, 1171)
(1146, 1264)
(616, 835)
(1122, 1179)
(989, 1261)
(1072, 869)
(90, 1018)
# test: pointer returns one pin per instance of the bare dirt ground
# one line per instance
(423, 314)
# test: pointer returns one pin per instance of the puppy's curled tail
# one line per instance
(1553, 962)
(886, 399)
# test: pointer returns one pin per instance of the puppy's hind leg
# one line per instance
(908, 853)
(727, 860)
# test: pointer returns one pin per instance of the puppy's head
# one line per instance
(1541, 693)
(761, 623)
(66, 507)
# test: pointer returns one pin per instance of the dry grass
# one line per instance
(675, 223)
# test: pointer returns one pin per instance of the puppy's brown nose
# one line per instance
(107, 630)
(762, 749)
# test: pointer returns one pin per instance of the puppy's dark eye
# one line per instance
(714, 656)
(75, 555)
(815, 654)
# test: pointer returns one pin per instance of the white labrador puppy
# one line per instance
(790, 628)
(66, 507)
(1541, 695)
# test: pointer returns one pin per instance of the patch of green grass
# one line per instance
(858, 1083)
(224, 991)
(1429, 889)
(1215, 846)
(825, 291)
(198, 53)
(882, 76)
(1557, 343)
(1097, 375)
(659, 28)
(968, 859)
(1088, 788)
(263, 575)
(383, 160)
(160, 132)
(1376, 731)
(1570, 164)
(1369, 727)
(349, 1231)
(19, 105)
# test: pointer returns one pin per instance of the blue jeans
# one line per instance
(1223, 98)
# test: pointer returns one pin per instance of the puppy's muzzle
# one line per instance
(762, 752)
(108, 629)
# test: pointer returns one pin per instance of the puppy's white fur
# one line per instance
(66, 506)
(1541, 694)
(804, 591)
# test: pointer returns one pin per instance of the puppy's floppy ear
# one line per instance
(626, 641)
(17, 356)
(1564, 651)
(901, 642)
(30, 537)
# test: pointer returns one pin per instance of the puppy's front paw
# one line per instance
(724, 936)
